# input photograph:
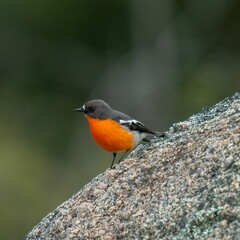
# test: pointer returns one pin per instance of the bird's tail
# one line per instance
(160, 134)
(148, 138)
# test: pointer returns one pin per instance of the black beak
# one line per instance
(79, 110)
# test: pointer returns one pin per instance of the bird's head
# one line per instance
(96, 109)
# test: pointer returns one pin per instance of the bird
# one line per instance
(113, 130)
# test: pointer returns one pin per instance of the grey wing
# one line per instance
(135, 125)
(130, 123)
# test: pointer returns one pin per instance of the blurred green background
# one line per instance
(158, 61)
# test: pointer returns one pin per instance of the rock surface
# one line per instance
(183, 186)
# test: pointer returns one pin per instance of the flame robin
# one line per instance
(113, 130)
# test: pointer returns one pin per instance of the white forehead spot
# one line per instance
(83, 107)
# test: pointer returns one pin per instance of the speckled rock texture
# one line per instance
(183, 186)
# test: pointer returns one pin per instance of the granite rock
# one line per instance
(183, 186)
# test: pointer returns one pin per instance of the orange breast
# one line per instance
(109, 135)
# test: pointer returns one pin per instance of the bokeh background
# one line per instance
(158, 61)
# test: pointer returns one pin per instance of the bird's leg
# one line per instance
(114, 156)
(123, 156)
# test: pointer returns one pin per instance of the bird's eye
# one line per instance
(91, 109)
